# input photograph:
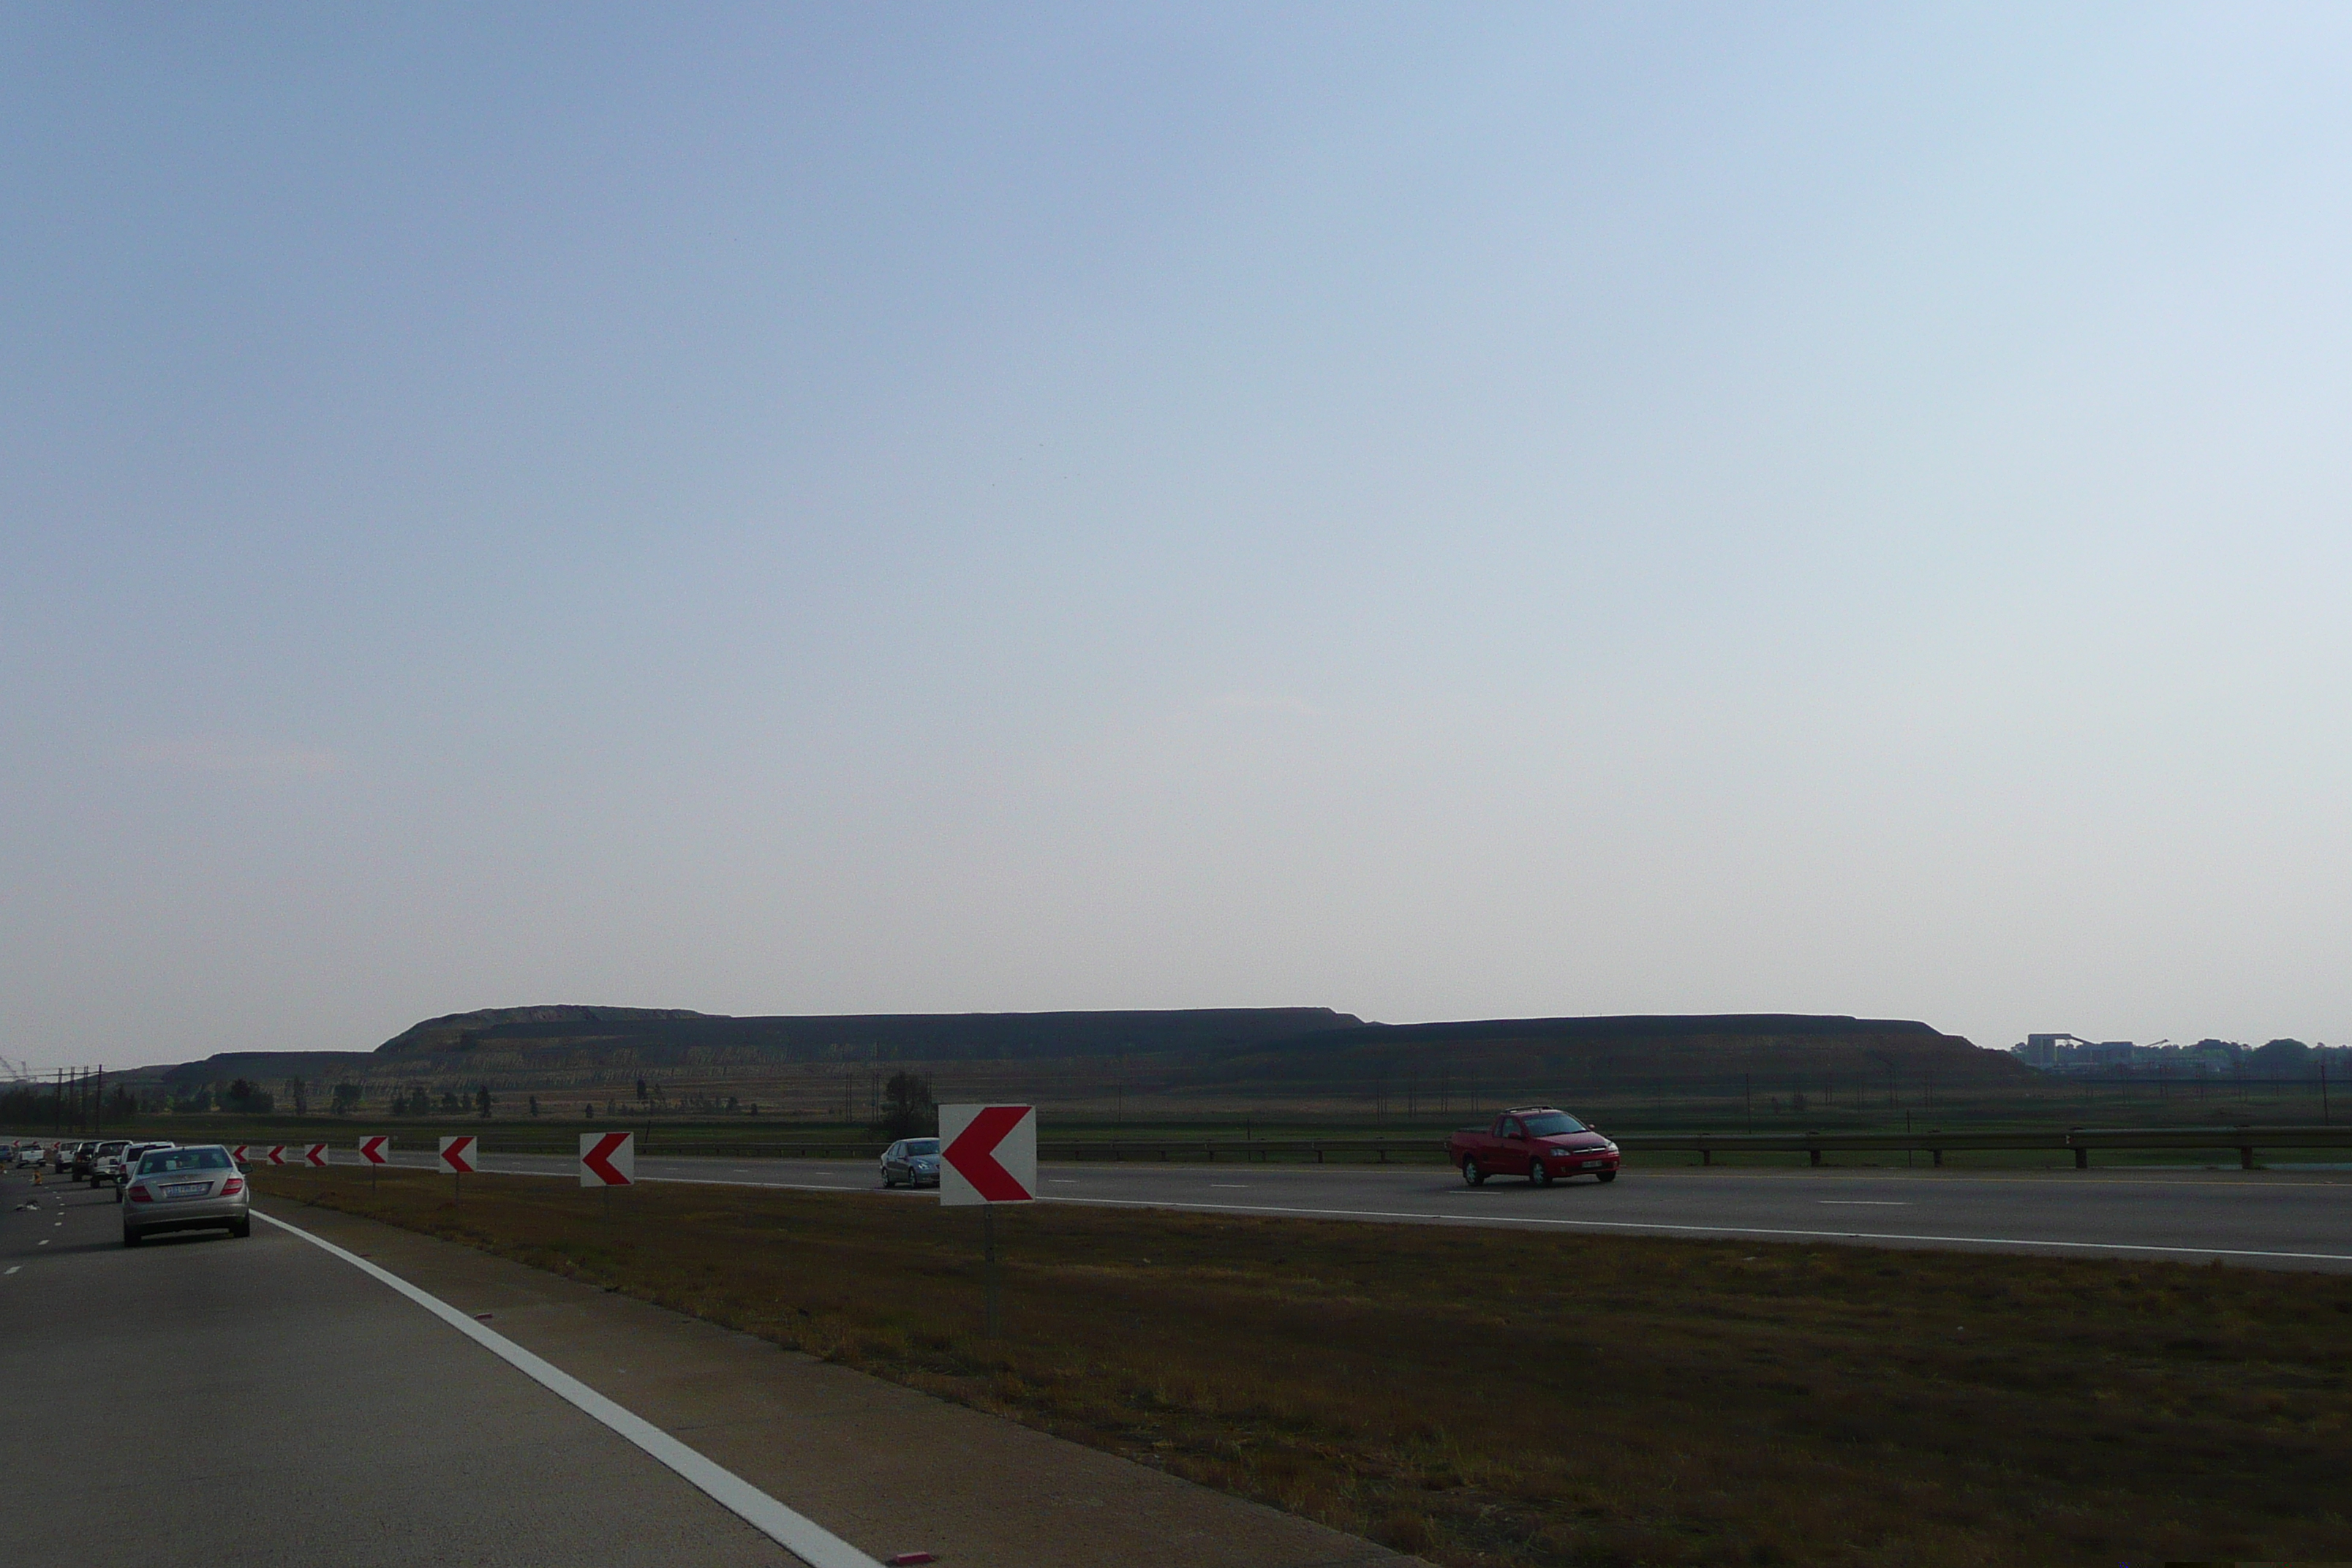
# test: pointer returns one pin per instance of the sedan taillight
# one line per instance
(141, 1196)
(233, 1187)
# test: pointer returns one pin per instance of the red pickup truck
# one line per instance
(1535, 1141)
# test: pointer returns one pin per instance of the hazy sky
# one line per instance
(1438, 511)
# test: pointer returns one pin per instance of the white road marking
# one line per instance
(805, 1539)
(14, 1267)
(43, 1242)
(1717, 1229)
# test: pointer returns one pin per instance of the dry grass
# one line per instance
(1483, 1397)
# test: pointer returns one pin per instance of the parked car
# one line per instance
(131, 1157)
(186, 1189)
(914, 1160)
(106, 1160)
(1535, 1141)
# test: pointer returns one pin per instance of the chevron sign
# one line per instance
(988, 1155)
(608, 1160)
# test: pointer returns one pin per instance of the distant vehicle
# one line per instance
(106, 1161)
(29, 1154)
(131, 1157)
(1535, 1141)
(914, 1160)
(186, 1189)
(84, 1152)
(61, 1156)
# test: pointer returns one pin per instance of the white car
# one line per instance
(129, 1163)
(106, 1162)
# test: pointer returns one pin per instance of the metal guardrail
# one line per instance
(1934, 1141)
(1937, 1141)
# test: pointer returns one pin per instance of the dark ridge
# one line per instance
(932, 1037)
(265, 1068)
(1630, 1026)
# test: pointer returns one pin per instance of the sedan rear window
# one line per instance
(164, 1161)
(1551, 1124)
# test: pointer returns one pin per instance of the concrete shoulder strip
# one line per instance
(804, 1539)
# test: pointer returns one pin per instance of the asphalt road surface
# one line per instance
(2270, 1219)
(274, 1404)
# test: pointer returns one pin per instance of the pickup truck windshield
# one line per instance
(1552, 1124)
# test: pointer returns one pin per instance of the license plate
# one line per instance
(1587, 1164)
(188, 1190)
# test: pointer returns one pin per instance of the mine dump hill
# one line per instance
(1203, 1055)
(1626, 1052)
(562, 1037)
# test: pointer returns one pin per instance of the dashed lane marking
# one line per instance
(1654, 1227)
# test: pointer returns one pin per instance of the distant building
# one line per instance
(2055, 1053)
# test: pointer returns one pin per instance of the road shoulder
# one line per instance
(888, 1467)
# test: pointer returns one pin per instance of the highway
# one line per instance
(277, 1405)
(2266, 1219)
(351, 1393)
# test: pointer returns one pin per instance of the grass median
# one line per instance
(1487, 1397)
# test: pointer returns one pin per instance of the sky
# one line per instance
(1435, 511)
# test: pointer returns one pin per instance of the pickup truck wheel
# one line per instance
(1604, 1175)
(1538, 1173)
(1472, 1174)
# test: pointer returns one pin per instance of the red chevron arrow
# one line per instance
(278, 1153)
(600, 1160)
(973, 1154)
(316, 1153)
(371, 1149)
(237, 1153)
(457, 1154)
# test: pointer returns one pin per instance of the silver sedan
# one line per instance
(914, 1160)
(186, 1189)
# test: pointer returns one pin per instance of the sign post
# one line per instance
(987, 1156)
(372, 1150)
(457, 1158)
(608, 1160)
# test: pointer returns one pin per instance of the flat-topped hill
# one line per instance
(659, 1037)
(1172, 1062)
